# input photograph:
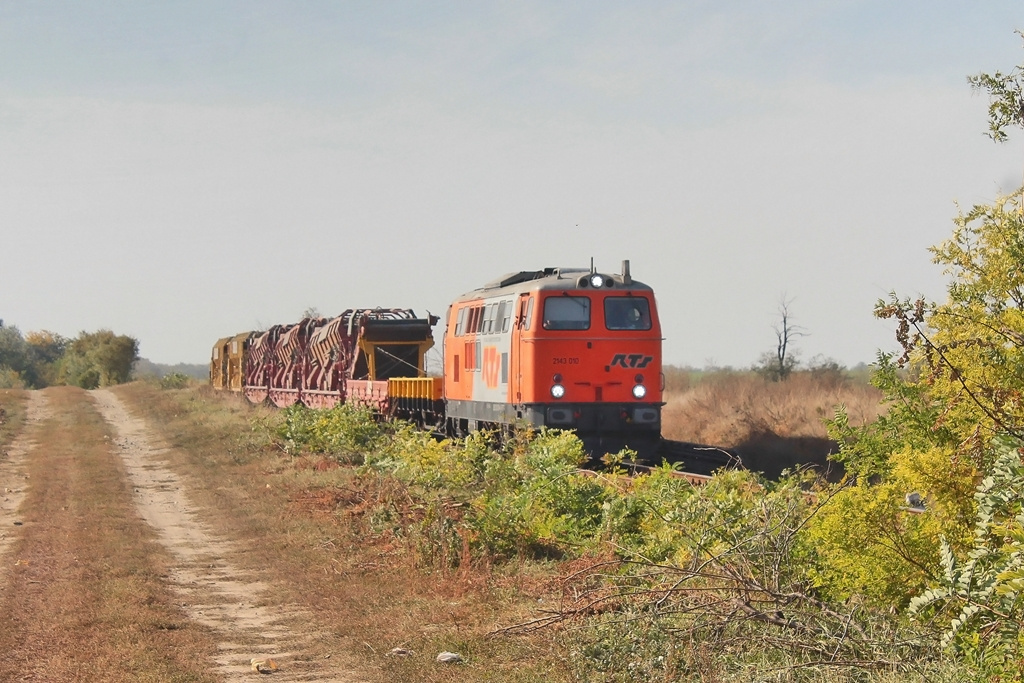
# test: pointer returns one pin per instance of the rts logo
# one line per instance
(631, 361)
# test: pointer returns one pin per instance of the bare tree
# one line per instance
(777, 366)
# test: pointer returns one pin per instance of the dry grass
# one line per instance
(326, 538)
(12, 414)
(322, 535)
(85, 598)
(773, 425)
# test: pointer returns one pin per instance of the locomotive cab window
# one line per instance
(627, 313)
(567, 313)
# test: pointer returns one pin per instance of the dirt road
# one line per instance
(14, 479)
(108, 571)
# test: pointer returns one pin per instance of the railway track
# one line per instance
(698, 461)
(697, 458)
(701, 461)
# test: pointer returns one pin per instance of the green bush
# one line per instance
(174, 380)
(10, 379)
(526, 498)
(345, 431)
(99, 359)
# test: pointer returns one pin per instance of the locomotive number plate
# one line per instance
(564, 360)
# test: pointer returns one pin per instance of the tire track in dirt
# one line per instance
(13, 478)
(215, 593)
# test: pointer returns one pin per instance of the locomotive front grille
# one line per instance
(604, 417)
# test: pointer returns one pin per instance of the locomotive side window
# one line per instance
(489, 312)
(627, 313)
(499, 318)
(460, 323)
(529, 315)
(505, 313)
(567, 313)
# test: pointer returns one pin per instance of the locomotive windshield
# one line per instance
(567, 313)
(627, 313)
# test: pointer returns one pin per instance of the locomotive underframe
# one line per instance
(603, 427)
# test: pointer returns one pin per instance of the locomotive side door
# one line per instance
(518, 387)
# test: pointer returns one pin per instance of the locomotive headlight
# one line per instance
(557, 391)
(596, 280)
(639, 391)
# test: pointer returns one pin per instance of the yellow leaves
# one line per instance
(868, 543)
(682, 557)
(944, 481)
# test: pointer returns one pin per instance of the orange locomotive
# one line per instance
(560, 347)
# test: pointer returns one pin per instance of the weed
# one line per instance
(175, 380)
(345, 431)
(12, 414)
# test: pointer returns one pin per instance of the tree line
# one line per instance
(40, 359)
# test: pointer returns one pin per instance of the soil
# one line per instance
(239, 607)
(14, 478)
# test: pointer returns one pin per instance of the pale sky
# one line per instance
(182, 171)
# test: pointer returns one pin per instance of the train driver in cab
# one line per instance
(627, 313)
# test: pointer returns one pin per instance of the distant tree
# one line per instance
(99, 359)
(147, 368)
(311, 312)
(778, 365)
(44, 350)
(13, 357)
(827, 371)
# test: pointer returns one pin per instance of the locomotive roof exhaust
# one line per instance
(626, 279)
